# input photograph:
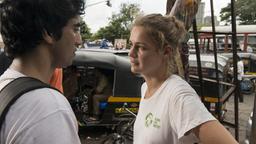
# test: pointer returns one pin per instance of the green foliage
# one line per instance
(85, 31)
(119, 25)
(245, 12)
(225, 14)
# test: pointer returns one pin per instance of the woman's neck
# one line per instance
(153, 83)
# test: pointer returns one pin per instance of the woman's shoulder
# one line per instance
(178, 86)
(177, 81)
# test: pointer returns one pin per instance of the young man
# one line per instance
(40, 36)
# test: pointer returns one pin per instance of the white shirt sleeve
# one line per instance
(187, 111)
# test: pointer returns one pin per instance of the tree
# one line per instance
(119, 25)
(85, 31)
(245, 12)
(225, 14)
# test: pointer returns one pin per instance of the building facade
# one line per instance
(200, 14)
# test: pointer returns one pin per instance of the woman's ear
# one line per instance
(167, 50)
(48, 37)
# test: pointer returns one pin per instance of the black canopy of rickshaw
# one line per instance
(126, 84)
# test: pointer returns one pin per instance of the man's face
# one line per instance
(64, 48)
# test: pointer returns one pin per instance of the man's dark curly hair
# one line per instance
(24, 22)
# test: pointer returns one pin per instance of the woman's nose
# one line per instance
(132, 52)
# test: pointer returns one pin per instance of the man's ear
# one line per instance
(48, 37)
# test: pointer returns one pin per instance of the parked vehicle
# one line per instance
(210, 92)
(246, 37)
(123, 135)
(249, 78)
(79, 84)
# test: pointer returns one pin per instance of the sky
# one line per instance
(97, 16)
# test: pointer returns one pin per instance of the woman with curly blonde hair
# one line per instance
(170, 111)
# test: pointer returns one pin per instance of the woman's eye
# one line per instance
(129, 45)
(140, 47)
(136, 47)
(77, 29)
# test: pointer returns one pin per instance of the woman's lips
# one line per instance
(74, 51)
(133, 61)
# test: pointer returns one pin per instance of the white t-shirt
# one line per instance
(172, 111)
(41, 116)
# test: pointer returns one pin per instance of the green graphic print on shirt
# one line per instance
(151, 120)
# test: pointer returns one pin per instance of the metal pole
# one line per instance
(216, 61)
(253, 128)
(234, 47)
(245, 42)
(89, 5)
(199, 68)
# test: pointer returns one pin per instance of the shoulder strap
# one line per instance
(13, 90)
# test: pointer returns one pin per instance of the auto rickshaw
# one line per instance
(79, 83)
(212, 98)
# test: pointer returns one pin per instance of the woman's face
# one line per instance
(145, 56)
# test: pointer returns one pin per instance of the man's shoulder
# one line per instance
(46, 97)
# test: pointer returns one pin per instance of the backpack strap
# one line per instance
(15, 89)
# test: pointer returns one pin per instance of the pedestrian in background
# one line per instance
(56, 79)
(4, 62)
(240, 74)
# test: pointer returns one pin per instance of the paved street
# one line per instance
(245, 109)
